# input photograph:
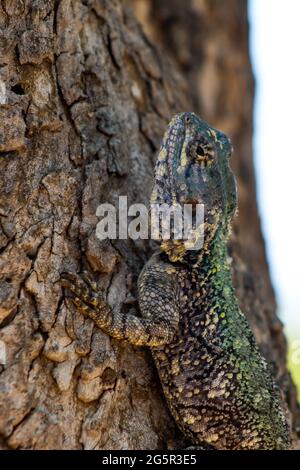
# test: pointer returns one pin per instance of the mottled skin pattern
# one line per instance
(216, 382)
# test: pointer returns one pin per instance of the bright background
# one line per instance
(274, 47)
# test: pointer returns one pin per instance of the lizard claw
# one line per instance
(89, 281)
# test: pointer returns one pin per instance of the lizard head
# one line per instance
(193, 169)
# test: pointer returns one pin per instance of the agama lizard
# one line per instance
(217, 384)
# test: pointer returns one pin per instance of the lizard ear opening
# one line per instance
(201, 151)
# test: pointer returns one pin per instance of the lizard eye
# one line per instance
(202, 152)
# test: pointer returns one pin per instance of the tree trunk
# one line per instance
(84, 100)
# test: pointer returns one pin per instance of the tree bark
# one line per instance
(84, 100)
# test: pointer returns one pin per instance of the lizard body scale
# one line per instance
(217, 384)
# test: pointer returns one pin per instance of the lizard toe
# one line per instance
(89, 281)
(83, 308)
(78, 285)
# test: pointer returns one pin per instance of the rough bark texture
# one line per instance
(84, 99)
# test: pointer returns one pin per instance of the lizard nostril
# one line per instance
(187, 118)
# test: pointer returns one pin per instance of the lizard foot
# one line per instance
(85, 291)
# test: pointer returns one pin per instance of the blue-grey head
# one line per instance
(193, 168)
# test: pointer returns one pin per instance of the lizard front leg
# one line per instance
(157, 301)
